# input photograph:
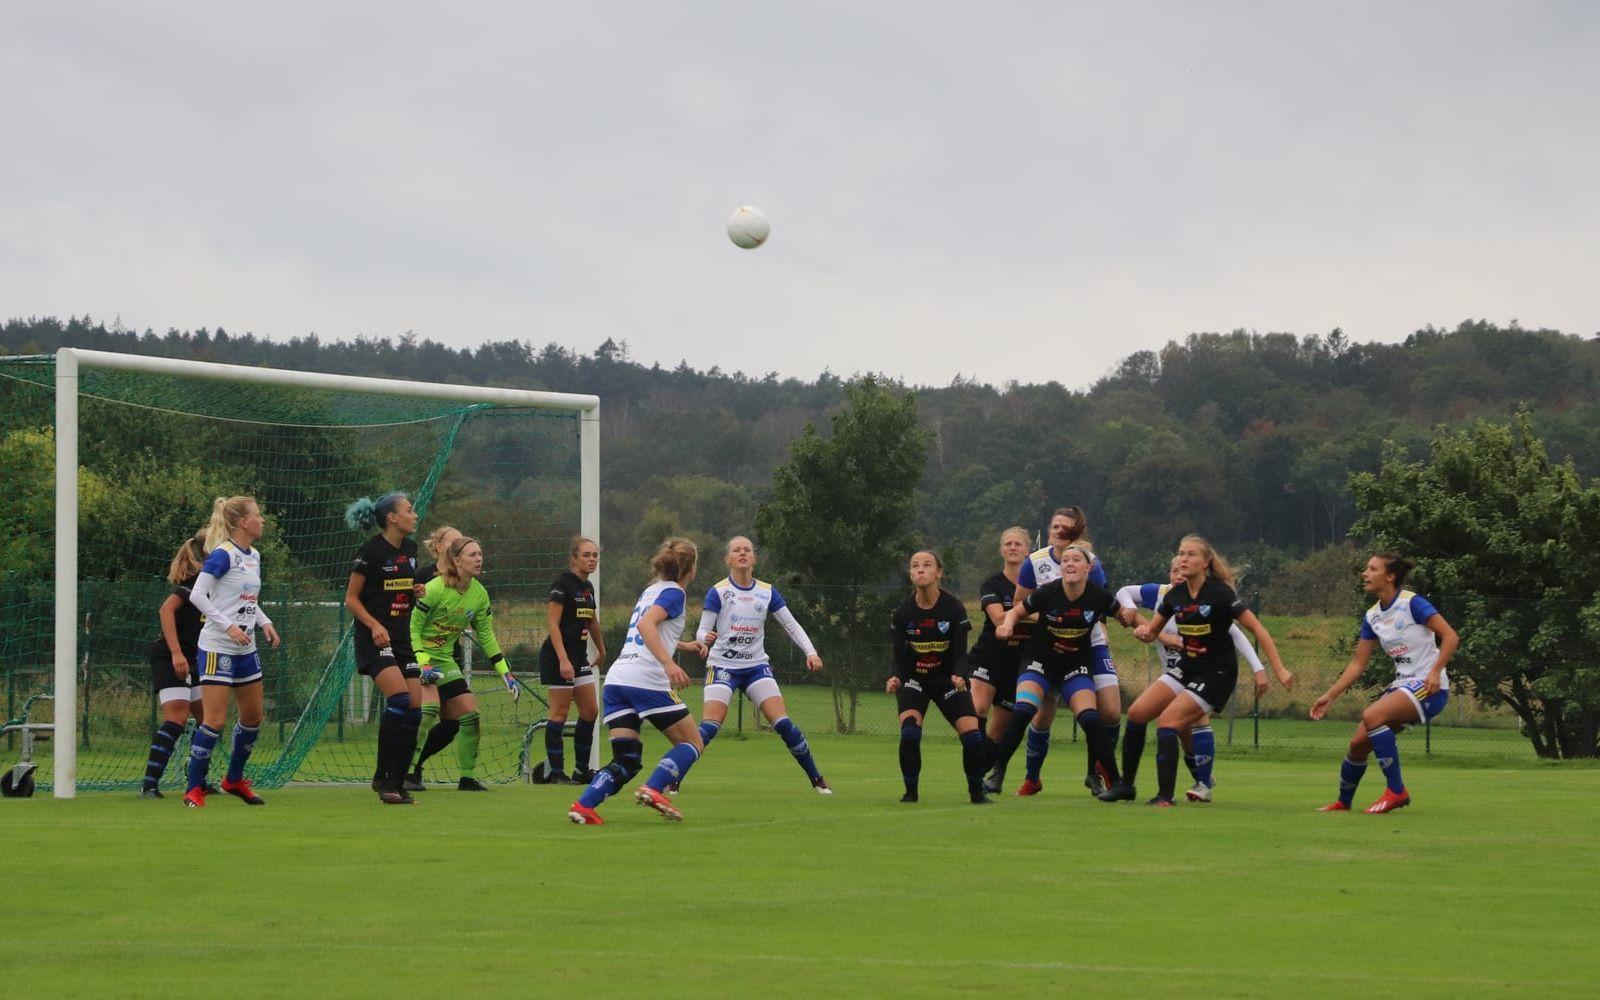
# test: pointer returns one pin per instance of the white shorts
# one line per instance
(756, 682)
(179, 694)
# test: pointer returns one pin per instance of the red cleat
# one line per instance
(195, 798)
(241, 790)
(584, 816)
(647, 796)
(1389, 801)
(1030, 787)
(1334, 807)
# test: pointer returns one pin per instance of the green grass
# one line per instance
(1487, 884)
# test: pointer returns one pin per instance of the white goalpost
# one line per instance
(69, 362)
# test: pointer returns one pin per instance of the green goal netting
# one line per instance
(156, 449)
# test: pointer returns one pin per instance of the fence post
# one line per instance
(344, 703)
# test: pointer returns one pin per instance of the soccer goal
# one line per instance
(112, 460)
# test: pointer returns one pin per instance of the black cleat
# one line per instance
(150, 792)
(394, 797)
(995, 783)
(582, 776)
(980, 799)
(1161, 802)
(413, 782)
(1120, 792)
(470, 785)
(1094, 783)
(909, 797)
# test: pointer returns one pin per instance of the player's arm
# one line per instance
(1358, 663)
(1242, 646)
(483, 631)
(1423, 611)
(956, 656)
(779, 609)
(1022, 607)
(169, 632)
(900, 655)
(1151, 627)
(1247, 619)
(420, 616)
(216, 566)
(358, 611)
(705, 633)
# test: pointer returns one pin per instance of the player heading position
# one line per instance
(732, 637)
(1420, 642)
(1204, 606)
(174, 658)
(642, 684)
(451, 603)
(928, 635)
(379, 597)
(564, 667)
(227, 592)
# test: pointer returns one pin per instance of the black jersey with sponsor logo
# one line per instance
(988, 650)
(1203, 622)
(188, 621)
(576, 597)
(930, 640)
(1061, 637)
(388, 574)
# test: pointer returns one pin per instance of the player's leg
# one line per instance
(1030, 697)
(1181, 712)
(1383, 720)
(394, 746)
(626, 754)
(1038, 746)
(584, 693)
(721, 688)
(912, 702)
(429, 706)
(174, 695)
(678, 726)
(958, 711)
(1108, 703)
(214, 712)
(764, 691)
(1199, 756)
(1152, 701)
(464, 709)
(1082, 699)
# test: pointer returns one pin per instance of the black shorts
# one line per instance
(1002, 676)
(918, 690)
(662, 720)
(453, 689)
(550, 669)
(1212, 685)
(372, 661)
(163, 677)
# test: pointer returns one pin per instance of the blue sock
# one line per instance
(1388, 753)
(162, 743)
(554, 752)
(1350, 773)
(674, 766)
(910, 754)
(795, 740)
(201, 744)
(1038, 746)
(244, 741)
(709, 731)
(1205, 754)
(625, 760)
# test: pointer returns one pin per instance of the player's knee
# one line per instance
(910, 731)
(398, 704)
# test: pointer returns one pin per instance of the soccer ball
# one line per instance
(747, 227)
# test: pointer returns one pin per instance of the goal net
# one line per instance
(156, 440)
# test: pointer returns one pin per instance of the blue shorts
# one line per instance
(1065, 688)
(1427, 707)
(621, 704)
(233, 669)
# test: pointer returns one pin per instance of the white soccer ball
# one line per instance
(747, 227)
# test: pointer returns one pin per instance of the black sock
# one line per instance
(910, 755)
(1168, 750)
(1016, 732)
(439, 737)
(582, 744)
(388, 749)
(974, 758)
(1132, 749)
(162, 743)
(554, 752)
(1099, 746)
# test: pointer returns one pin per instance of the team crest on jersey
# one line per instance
(1088, 616)
(1205, 609)
(944, 627)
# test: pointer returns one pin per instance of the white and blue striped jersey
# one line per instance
(635, 665)
(227, 592)
(739, 617)
(1401, 631)
(1043, 566)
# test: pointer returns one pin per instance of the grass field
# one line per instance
(1487, 884)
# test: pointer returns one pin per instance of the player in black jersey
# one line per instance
(564, 664)
(995, 662)
(172, 659)
(380, 597)
(1204, 607)
(929, 637)
(1060, 656)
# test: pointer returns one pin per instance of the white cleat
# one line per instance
(1201, 792)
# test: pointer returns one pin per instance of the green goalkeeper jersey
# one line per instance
(442, 614)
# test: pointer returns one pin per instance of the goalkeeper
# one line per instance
(451, 603)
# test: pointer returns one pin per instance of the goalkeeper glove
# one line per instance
(430, 675)
(512, 685)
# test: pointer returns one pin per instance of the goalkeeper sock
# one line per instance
(674, 767)
(244, 741)
(583, 743)
(1038, 747)
(1388, 754)
(467, 745)
(554, 752)
(201, 745)
(795, 740)
(161, 747)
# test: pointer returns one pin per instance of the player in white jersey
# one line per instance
(1407, 627)
(643, 684)
(1199, 742)
(227, 592)
(732, 637)
(1068, 526)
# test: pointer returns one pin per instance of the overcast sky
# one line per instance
(1026, 191)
